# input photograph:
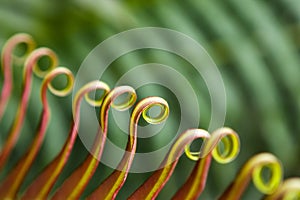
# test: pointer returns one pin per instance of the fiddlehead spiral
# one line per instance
(42, 185)
(111, 185)
(196, 182)
(224, 152)
(78, 180)
(230, 143)
(254, 168)
(154, 184)
(289, 190)
(7, 57)
(13, 181)
(30, 64)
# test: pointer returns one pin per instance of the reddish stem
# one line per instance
(43, 184)
(11, 184)
(75, 184)
(154, 184)
(6, 59)
(196, 182)
(20, 116)
(112, 184)
(252, 169)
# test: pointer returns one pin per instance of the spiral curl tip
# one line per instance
(10, 45)
(111, 98)
(53, 62)
(55, 73)
(127, 102)
(276, 175)
(254, 168)
(231, 145)
(225, 137)
(98, 85)
(191, 154)
(288, 190)
(149, 103)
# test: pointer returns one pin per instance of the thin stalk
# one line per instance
(154, 184)
(11, 184)
(75, 184)
(43, 184)
(112, 184)
(196, 182)
(7, 58)
(30, 64)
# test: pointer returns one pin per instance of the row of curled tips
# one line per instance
(222, 145)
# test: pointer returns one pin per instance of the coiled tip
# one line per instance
(262, 162)
(14, 41)
(36, 55)
(163, 110)
(224, 144)
(122, 103)
(93, 86)
(53, 74)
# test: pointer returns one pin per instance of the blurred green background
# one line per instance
(255, 45)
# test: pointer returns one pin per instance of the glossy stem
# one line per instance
(112, 184)
(196, 182)
(7, 65)
(154, 184)
(75, 184)
(14, 132)
(43, 184)
(11, 184)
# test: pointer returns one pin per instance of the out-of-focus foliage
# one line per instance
(255, 45)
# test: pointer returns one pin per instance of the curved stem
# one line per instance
(154, 184)
(14, 132)
(75, 184)
(253, 168)
(196, 182)
(112, 184)
(7, 62)
(12, 183)
(43, 184)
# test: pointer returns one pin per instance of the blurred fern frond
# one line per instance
(256, 47)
